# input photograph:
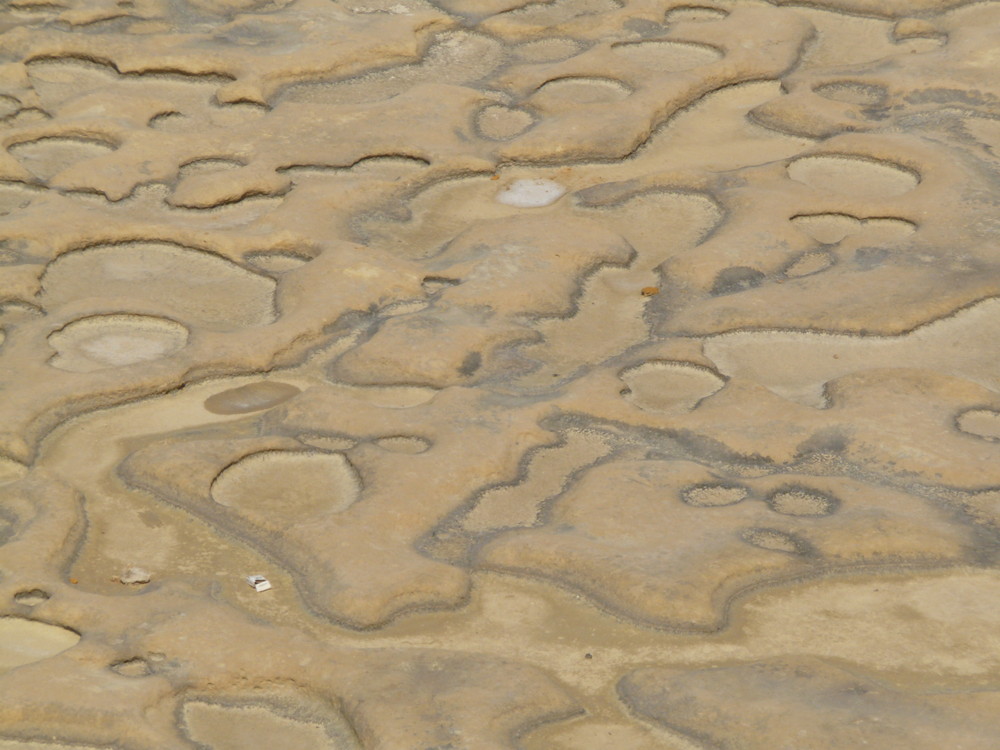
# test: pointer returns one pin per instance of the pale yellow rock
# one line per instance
(578, 373)
(832, 707)
(645, 539)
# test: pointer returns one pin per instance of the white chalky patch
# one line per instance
(531, 193)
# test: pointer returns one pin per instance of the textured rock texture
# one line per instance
(581, 374)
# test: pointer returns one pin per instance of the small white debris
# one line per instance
(134, 576)
(531, 193)
(259, 583)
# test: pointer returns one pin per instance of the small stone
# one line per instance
(134, 576)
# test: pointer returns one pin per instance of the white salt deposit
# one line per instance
(531, 193)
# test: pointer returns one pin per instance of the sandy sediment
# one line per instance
(605, 374)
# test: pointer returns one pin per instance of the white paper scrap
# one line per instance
(260, 583)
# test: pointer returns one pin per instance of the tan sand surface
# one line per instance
(580, 374)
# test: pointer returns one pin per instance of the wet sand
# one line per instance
(581, 374)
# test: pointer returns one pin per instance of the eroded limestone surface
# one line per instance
(606, 374)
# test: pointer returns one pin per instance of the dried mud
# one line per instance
(580, 373)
